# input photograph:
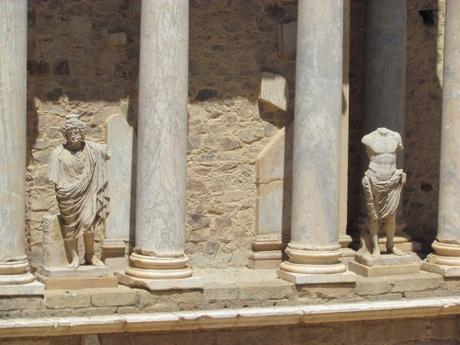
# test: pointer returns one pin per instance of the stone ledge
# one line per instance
(227, 318)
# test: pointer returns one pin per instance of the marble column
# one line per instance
(314, 249)
(385, 85)
(162, 142)
(446, 257)
(15, 278)
(14, 267)
(345, 239)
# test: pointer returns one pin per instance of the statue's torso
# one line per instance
(381, 148)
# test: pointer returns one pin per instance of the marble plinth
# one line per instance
(317, 278)
(160, 284)
(387, 264)
(84, 277)
(33, 288)
(78, 283)
(265, 259)
(444, 270)
(81, 272)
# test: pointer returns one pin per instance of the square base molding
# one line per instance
(446, 271)
(34, 288)
(67, 272)
(384, 270)
(310, 279)
(78, 283)
(163, 284)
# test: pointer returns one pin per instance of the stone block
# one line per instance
(220, 291)
(274, 289)
(446, 271)
(67, 299)
(416, 282)
(385, 270)
(372, 286)
(274, 91)
(80, 283)
(121, 296)
(387, 259)
(312, 279)
(34, 288)
(84, 271)
(327, 291)
(287, 41)
(159, 285)
(20, 303)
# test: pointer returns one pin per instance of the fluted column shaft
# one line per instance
(162, 142)
(13, 116)
(446, 259)
(314, 247)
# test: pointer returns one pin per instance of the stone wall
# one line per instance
(430, 331)
(83, 56)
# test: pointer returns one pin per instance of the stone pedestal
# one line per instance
(266, 252)
(385, 264)
(446, 257)
(54, 272)
(314, 250)
(161, 144)
(15, 278)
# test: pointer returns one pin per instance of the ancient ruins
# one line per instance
(229, 172)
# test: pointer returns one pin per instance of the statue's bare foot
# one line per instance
(396, 251)
(94, 260)
(75, 263)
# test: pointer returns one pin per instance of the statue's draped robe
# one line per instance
(81, 186)
(383, 196)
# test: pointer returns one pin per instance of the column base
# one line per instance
(16, 280)
(113, 248)
(347, 253)
(265, 260)
(157, 267)
(266, 252)
(314, 267)
(445, 261)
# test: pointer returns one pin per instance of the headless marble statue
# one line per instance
(78, 171)
(382, 184)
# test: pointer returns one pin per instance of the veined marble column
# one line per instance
(14, 266)
(314, 249)
(446, 259)
(162, 142)
(385, 84)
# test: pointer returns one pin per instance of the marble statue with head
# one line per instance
(78, 171)
(382, 184)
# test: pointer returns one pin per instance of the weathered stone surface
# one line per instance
(54, 254)
(118, 39)
(265, 290)
(120, 296)
(120, 141)
(67, 299)
(274, 91)
(287, 41)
